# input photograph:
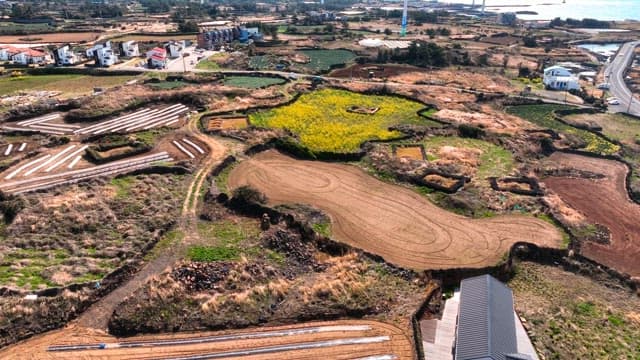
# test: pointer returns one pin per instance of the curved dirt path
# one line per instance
(605, 202)
(391, 221)
(97, 316)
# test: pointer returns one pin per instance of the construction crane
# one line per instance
(403, 30)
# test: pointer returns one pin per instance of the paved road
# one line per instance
(615, 71)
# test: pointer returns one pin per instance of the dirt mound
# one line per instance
(395, 223)
(489, 120)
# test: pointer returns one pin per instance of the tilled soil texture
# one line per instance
(392, 341)
(603, 201)
(393, 222)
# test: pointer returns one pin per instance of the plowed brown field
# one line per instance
(603, 202)
(397, 344)
(391, 221)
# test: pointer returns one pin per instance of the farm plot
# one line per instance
(189, 148)
(71, 155)
(322, 121)
(393, 222)
(325, 60)
(542, 115)
(44, 124)
(476, 157)
(225, 123)
(252, 82)
(623, 128)
(337, 340)
(144, 119)
(68, 84)
(605, 202)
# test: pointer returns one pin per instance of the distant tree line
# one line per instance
(584, 23)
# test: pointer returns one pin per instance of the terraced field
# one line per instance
(393, 222)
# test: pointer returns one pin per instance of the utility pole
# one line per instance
(184, 63)
(630, 102)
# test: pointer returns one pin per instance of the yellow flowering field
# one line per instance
(322, 122)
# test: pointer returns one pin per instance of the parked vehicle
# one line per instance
(603, 86)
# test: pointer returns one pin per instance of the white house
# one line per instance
(129, 49)
(65, 56)
(157, 58)
(174, 48)
(7, 51)
(28, 56)
(560, 78)
(103, 54)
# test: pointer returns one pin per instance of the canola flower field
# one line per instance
(322, 122)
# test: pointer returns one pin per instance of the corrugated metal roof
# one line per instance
(486, 327)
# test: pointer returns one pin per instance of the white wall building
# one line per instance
(28, 56)
(65, 56)
(129, 49)
(174, 48)
(103, 54)
(157, 58)
(6, 52)
(560, 78)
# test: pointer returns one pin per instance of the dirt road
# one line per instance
(346, 339)
(603, 202)
(391, 221)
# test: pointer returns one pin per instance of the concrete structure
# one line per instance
(64, 56)
(28, 56)
(103, 54)
(129, 49)
(560, 78)
(478, 322)
(157, 58)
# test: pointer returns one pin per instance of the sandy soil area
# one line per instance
(393, 222)
(603, 202)
(398, 343)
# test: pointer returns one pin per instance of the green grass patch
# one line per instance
(252, 82)
(169, 239)
(543, 115)
(323, 228)
(566, 239)
(168, 85)
(208, 63)
(123, 186)
(324, 60)
(210, 254)
(495, 161)
(322, 122)
(68, 83)
(223, 178)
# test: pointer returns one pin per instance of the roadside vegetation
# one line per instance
(542, 115)
(322, 121)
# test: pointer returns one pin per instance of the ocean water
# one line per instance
(576, 9)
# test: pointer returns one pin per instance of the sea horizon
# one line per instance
(610, 10)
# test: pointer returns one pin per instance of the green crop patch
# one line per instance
(324, 60)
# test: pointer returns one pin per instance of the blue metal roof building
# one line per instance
(486, 324)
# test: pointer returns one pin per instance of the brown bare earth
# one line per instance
(605, 202)
(398, 343)
(50, 38)
(411, 152)
(393, 222)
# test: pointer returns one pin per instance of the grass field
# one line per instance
(71, 84)
(322, 121)
(224, 240)
(323, 60)
(574, 317)
(252, 82)
(166, 85)
(208, 64)
(619, 127)
(542, 115)
(15, 28)
(493, 161)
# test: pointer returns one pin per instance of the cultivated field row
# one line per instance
(190, 144)
(144, 119)
(74, 176)
(337, 340)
